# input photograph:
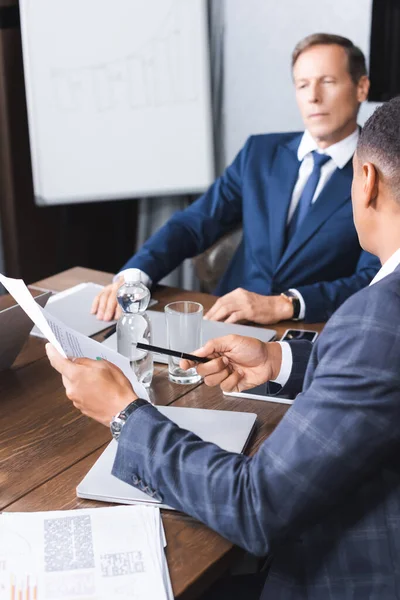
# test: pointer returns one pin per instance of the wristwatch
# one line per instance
(295, 302)
(118, 421)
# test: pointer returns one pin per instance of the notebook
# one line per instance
(229, 430)
(210, 330)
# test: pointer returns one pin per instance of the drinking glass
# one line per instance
(184, 322)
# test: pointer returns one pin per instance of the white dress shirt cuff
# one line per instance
(302, 312)
(286, 364)
(144, 278)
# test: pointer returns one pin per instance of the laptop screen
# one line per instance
(15, 326)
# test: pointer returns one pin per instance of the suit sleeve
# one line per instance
(333, 437)
(300, 351)
(323, 298)
(195, 229)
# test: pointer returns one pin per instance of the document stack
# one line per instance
(96, 554)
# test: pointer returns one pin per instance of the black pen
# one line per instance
(169, 352)
(159, 350)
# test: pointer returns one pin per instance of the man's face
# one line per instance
(327, 97)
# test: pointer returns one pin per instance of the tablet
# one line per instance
(261, 392)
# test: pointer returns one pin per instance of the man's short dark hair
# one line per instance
(355, 57)
(379, 143)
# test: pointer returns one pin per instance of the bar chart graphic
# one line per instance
(158, 73)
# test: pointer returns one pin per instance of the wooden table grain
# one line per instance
(47, 446)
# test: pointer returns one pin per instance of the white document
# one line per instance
(65, 339)
(96, 554)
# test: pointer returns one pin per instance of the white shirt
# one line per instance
(388, 267)
(340, 154)
(144, 278)
(287, 358)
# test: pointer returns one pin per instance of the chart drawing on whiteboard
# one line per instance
(158, 73)
(119, 102)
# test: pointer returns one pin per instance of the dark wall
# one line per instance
(40, 241)
(385, 50)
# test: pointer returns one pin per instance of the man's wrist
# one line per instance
(275, 359)
(286, 364)
(293, 301)
(287, 309)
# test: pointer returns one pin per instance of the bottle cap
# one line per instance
(132, 275)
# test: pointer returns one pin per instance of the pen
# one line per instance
(169, 352)
(159, 350)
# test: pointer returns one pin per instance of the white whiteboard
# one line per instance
(118, 97)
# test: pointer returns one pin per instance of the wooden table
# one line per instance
(47, 446)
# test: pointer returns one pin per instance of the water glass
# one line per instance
(184, 322)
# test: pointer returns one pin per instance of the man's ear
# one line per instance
(370, 184)
(363, 88)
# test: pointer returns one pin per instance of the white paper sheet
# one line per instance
(21, 294)
(66, 340)
(96, 554)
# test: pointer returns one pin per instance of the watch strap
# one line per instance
(128, 410)
(294, 299)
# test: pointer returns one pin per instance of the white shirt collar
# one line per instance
(388, 267)
(341, 152)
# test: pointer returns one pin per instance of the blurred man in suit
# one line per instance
(322, 494)
(291, 193)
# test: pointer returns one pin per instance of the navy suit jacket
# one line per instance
(322, 494)
(323, 260)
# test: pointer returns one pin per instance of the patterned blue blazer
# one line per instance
(322, 494)
(323, 259)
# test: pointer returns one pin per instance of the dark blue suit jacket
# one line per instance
(322, 494)
(323, 260)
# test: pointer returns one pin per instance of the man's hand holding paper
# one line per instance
(97, 388)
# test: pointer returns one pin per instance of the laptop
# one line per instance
(210, 330)
(229, 430)
(72, 307)
(15, 326)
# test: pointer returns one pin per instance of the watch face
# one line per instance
(116, 426)
(119, 420)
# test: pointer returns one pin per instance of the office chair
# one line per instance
(211, 264)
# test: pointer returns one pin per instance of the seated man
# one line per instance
(291, 193)
(322, 494)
